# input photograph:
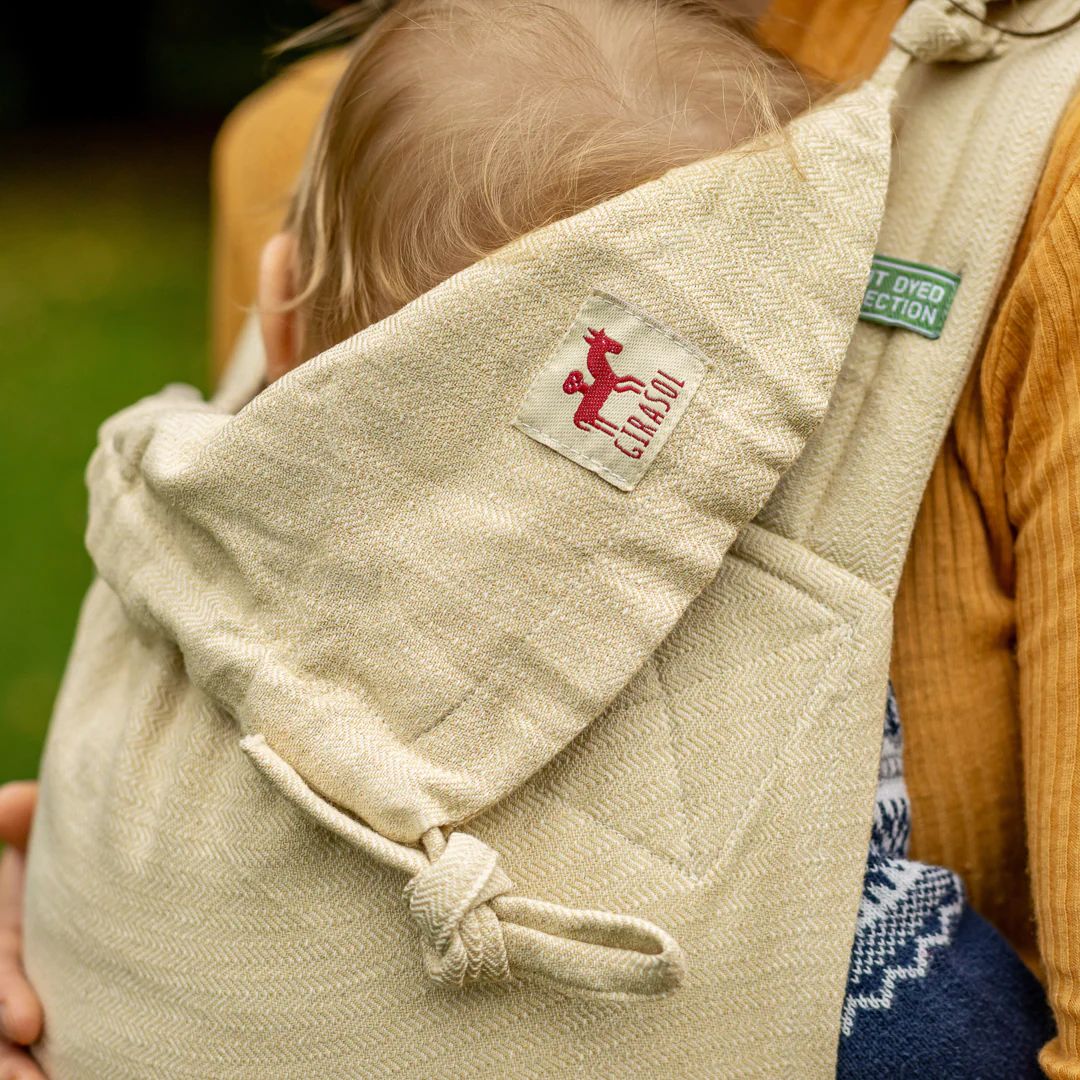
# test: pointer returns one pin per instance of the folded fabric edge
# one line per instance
(473, 928)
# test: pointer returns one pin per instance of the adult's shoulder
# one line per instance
(1028, 373)
(257, 158)
(1059, 189)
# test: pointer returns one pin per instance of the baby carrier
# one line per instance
(537, 637)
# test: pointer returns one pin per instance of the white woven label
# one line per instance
(612, 393)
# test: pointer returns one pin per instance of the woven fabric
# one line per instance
(984, 650)
(410, 609)
(276, 574)
(909, 911)
(933, 989)
(451, 736)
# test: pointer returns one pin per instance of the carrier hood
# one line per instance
(416, 567)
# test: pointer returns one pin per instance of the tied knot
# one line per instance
(941, 30)
(449, 901)
(474, 929)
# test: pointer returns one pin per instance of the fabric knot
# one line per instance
(940, 30)
(463, 938)
(474, 929)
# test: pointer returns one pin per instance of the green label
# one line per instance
(909, 295)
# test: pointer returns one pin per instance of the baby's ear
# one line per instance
(278, 320)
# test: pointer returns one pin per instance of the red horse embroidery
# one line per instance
(605, 381)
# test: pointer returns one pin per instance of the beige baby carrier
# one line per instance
(500, 694)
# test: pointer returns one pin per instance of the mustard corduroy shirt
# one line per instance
(986, 657)
(987, 646)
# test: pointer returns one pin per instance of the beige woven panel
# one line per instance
(323, 550)
(664, 745)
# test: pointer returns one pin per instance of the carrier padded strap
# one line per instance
(854, 494)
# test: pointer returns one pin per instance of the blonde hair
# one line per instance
(459, 125)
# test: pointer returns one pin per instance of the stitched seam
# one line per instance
(755, 567)
(763, 565)
(500, 667)
(635, 313)
(577, 455)
(680, 792)
(719, 860)
(688, 349)
(665, 860)
(813, 706)
(648, 320)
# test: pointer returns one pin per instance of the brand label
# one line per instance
(612, 393)
(909, 295)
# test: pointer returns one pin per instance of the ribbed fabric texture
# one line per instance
(993, 569)
(987, 645)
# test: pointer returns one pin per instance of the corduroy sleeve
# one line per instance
(1041, 328)
(257, 158)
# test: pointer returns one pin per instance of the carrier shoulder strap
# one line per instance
(988, 111)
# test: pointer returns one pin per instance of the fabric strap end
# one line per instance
(472, 926)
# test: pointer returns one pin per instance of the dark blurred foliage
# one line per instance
(65, 64)
(107, 116)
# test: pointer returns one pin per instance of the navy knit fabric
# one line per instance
(933, 989)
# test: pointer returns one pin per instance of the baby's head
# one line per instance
(460, 125)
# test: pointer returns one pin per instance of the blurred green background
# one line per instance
(107, 117)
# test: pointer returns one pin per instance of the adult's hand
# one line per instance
(20, 1011)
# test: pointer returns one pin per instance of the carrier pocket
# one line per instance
(771, 679)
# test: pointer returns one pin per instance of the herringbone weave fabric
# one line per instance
(664, 747)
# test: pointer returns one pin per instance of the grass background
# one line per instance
(107, 117)
(103, 289)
